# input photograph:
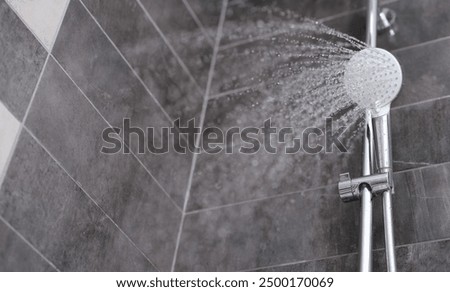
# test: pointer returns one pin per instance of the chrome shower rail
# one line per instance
(376, 170)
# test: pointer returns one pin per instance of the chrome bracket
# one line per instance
(349, 189)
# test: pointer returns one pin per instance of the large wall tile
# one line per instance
(420, 257)
(117, 182)
(95, 66)
(22, 59)
(208, 12)
(40, 201)
(184, 35)
(259, 15)
(43, 17)
(417, 21)
(421, 134)
(144, 48)
(17, 256)
(268, 232)
(9, 129)
(216, 180)
(221, 179)
(425, 72)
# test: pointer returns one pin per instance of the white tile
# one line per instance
(9, 129)
(43, 17)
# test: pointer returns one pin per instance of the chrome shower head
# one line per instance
(373, 79)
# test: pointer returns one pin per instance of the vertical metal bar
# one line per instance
(389, 232)
(365, 233)
(382, 134)
(371, 26)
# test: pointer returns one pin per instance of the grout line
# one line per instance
(299, 262)
(420, 168)
(11, 154)
(420, 102)
(166, 41)
(198, 22)
(59, 27)
(147, 89)
(128, 64)
(251, 40)
(87, 194)
(22, 123)
(322, 20)
(236, 91)
(343, 255)
(27, 26)
(348, 12)
(421, 44)
(202, 118)
(299, 192)
(109, 125)
(29, 243)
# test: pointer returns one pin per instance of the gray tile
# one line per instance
(22, 60)
(118, 182)
(17, 256)
(425, 73)
(264, 12)
(420, 204)
(143, 47)
(208, 12)
(93, 63)
(216, 180)
(185, 36)
(420, 257)
(434, 223)
(268, 232)
(344, 263)
(221, 179)
(417, 21)
(57, 217)
(420, 134)
(284, 54)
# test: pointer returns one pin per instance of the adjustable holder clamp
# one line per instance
(349, 189)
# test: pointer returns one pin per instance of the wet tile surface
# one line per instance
(260, 12)
(56, 216)
(17, 256)
(417, 21)
(226, 178)
(289, 228)
(425, 72)
(43, 17)
(22, 58)
(117, 182)
(9, 129)
(420, 257)
(208, 12)
(185, 36)
(268, 232)
(421, 134)
(94, 64)
(144, 48)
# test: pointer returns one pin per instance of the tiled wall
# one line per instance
(64, 206)
(70, 69)
(272, 212)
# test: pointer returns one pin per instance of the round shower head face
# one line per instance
(373, 78)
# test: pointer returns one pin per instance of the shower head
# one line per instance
(373, 79)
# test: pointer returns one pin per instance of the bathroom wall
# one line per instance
(64, 206)
(282, 213)
(71, 69)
